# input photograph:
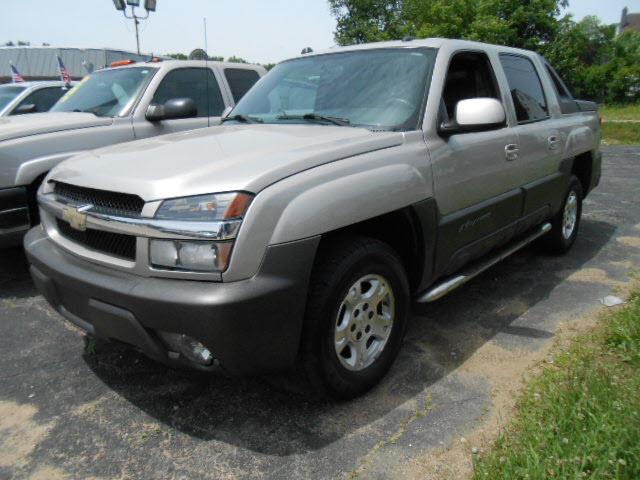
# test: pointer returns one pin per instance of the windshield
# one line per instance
(109, 93)
(8, 93)
(380, 89)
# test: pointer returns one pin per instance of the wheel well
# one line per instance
(582, 168)
(32, 192)
(400, 230)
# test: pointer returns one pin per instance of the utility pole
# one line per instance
(136, 23)
(149, 6)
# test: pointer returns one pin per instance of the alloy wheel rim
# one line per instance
(364, 322)
(570, 215)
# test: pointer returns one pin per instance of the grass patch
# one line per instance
(620, 112)
(581, 417)
(620, 133)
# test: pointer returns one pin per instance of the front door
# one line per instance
(476, 178)
(201, 86)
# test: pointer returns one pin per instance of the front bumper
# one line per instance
(14, 216)
(251, 326)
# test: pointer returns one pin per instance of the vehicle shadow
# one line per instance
(261, 415)
(15, 280)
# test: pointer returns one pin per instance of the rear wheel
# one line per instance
(567, 221)
(356, 316)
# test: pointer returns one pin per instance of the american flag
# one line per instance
(64, 73)
(15, 75)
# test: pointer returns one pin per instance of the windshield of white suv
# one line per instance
(8, 93)
(107, 93)
(379, 89)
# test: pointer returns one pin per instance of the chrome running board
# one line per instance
(441, 289)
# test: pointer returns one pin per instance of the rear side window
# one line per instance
(526, 88)
(44, 98)
(240, 81)
(192, 83)
(558, 87)
(567, 103)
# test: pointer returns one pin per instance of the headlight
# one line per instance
(198, 255)
(203, 208)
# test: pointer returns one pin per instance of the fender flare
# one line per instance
(30, 170)
(341, 201)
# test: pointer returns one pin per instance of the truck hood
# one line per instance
(38, 123)
(218, 159)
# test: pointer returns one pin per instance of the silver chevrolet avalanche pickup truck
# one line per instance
(343, 186)
(120, 104)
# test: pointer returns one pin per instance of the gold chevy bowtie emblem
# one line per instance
(75, 216)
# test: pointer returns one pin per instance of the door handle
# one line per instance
(553, 142)
(511, 152)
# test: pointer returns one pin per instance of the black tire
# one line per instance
(555, 241)
(340, 264)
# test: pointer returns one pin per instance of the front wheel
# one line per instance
(567, 221)
(356, 316)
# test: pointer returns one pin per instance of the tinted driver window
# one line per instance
(240, 81)
(44, 98)
(470, 76)
(526, 89)
(192, 83)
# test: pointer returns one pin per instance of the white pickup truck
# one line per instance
(127, 102)
(344, 185)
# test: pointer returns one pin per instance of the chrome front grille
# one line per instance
(117, 244)
(103, 201)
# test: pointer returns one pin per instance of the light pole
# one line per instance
(149, 6)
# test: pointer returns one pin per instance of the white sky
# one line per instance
(258, 30)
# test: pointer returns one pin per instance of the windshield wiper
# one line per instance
(342, 122)
(242, 118)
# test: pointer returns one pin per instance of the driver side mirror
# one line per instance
(25, 108)
(174, 108)
(475, 115)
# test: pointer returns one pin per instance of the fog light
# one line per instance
(196, 256)
(188, 347)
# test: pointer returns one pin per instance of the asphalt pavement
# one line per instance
(72, 409)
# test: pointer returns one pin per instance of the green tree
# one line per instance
(178, 56)
(596, 63)
(526, 24)
(234, 59)
(182, 56)
(361, 21)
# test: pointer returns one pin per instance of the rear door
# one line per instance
(240, 81)
(196, 83)
(538, 137)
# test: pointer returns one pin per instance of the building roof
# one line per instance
(629, 21)
(41, 63)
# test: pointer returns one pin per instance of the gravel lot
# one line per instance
(72, 411)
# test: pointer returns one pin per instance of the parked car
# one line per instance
(344, 185)
(30, 97)
(130, 101)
